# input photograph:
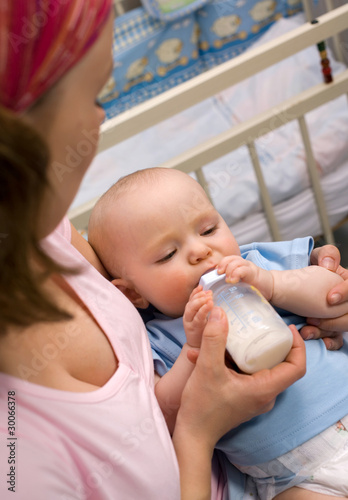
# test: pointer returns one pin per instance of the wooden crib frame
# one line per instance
(225, 75)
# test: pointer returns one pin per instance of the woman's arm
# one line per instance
(216, 399)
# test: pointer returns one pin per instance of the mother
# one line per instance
(78, 411)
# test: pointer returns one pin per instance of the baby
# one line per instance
(168, 236)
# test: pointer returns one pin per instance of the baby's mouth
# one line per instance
(209, 270)
(206, 272)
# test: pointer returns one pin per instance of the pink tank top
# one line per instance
(111, 443)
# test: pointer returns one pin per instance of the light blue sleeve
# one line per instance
(167, 337)
(160, 366)
(279, 255)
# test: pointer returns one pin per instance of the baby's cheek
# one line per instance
(230, 246)
(176, 301)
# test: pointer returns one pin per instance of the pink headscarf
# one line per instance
(40, 40)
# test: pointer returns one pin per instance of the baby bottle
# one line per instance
(257, 338)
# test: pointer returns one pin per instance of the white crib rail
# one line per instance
(265, 197)
(199, 88)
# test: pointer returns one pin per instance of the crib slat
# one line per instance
(265, 197)
(314, 176)
(307, 9)
(202, 180)
(119, 9)
(337, 45)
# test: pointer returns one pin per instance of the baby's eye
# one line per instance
(167, 257)
(209, 231)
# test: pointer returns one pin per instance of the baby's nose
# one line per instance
(199, 253)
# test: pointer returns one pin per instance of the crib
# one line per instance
(259, 128)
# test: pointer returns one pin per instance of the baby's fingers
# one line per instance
(236, 272)
(236, 268)
(201, 316)
(228, 261)
(195, 304)
(195, 291)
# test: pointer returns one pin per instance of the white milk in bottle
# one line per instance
(257, 338)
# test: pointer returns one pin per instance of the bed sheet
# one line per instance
(297, 217)
(231, 178)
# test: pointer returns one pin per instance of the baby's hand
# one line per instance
(238, 269)
(196, 315)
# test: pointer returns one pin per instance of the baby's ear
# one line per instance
(127, 288)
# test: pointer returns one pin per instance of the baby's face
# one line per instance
(170, 236)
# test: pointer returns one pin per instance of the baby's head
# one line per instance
(156, 233)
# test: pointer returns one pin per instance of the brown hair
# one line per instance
(24, 158)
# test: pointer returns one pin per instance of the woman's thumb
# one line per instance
(214, 338)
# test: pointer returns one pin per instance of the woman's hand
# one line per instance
(330, 330)
(215, 389)
(217, 399)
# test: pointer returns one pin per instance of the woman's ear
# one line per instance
(127, 288)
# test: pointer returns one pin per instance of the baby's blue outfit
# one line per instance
(302, 411)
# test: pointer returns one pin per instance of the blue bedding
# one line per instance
(152, 55)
